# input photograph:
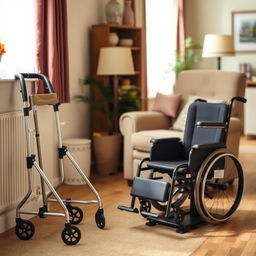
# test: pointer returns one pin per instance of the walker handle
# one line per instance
(22, 76)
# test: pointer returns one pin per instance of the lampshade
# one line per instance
(218, 46)
(115, 61)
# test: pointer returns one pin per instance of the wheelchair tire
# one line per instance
(217, 196)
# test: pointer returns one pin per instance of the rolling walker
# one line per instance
(24, 229)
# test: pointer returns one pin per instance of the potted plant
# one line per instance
(107, 145)
(185, 60)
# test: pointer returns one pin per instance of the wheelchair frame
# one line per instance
(73, 215)
(191, 182)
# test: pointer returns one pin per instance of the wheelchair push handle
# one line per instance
(239, 98)
(23, 76)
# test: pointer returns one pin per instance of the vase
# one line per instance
(128, 16)
(113, 39)
(113, 12)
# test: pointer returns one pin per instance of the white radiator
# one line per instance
(13, 171)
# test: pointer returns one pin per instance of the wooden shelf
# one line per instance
(99, 39)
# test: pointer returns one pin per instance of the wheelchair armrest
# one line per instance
(209, 146)
(199, 152)
(166, 149)
(164, 140)
(210, 124)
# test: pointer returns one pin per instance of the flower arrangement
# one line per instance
(2, 49)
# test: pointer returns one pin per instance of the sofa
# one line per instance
(139, 127)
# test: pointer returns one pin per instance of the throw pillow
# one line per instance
(180, 122)
(167, 104)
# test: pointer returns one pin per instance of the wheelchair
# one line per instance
(205, 180)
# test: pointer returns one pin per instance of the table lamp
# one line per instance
(115, 61)
(218, 46)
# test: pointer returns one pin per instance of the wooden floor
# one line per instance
(236, 237)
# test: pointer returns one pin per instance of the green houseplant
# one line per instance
(185, 60)
(107, 145)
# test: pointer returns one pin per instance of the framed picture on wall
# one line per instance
(244, 31)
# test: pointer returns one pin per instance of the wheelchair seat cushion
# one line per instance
(168, 166)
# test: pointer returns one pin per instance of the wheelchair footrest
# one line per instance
(150, 189)
(128, 209)
(149, 214)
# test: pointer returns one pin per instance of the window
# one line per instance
(17, 32)
(161, 25)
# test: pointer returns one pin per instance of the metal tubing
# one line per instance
(45, 213)
(27, 129)
(38, 144)
(57, 119)
(84, 178)
(74, 201)
(42, 174)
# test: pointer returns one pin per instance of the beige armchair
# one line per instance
(139, 127)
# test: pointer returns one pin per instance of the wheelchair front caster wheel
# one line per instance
(151, 223)
(71, 235)
(145, 206)
(76, 214)
(178, 215)
(100, 219)
(24, 229)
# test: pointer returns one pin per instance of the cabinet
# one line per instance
(100, 38)
(250, 106)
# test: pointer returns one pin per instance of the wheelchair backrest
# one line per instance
(206, 112)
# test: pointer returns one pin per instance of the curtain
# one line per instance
(181, 27)
(52, 45)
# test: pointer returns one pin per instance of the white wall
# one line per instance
(214, 17)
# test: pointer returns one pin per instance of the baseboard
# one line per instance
(7, 218)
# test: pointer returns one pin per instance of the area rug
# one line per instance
(125, 234)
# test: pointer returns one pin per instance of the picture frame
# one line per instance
(244, 31)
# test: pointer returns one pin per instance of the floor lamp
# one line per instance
(217, 46)
(115, 61)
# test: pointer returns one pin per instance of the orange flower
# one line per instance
(2, 50)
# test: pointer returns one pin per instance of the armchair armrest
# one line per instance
(166, 149)
(203, 124)
(136, 121)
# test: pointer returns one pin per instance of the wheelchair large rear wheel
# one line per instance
(219, 186)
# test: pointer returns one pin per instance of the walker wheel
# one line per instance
(100, 219)
(76, 214)
(178, 215)
(145, 206)
(24, 229)
(71, 235)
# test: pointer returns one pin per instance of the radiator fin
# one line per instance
(13, 171)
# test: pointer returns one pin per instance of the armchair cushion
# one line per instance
(167, 104)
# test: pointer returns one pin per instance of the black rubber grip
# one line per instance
(241, 99)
